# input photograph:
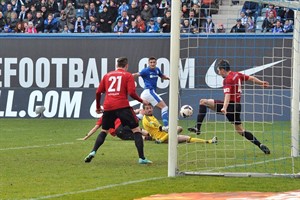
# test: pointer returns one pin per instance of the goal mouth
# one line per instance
(268, 143)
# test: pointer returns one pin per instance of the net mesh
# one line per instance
(266, 113)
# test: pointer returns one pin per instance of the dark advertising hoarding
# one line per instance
(62, 73)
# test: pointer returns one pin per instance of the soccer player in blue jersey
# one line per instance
(150, 75)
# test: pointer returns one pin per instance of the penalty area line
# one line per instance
(98, 188)
(36, 146)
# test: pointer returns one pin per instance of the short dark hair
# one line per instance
(223, 64)
(122, 62)
(152, 58)
(149, 104)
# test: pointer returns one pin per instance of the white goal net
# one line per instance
(270, 114)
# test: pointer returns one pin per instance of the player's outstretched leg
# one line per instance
(200, 118)
(214, 140)
(139, 143)
(194, 130)
(264, 148)
(144, 161)
(90, 157)
(165, 115)
(255, 141)
(99, 141)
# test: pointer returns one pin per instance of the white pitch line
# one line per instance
(98, 188)
(35, 146)
(250, 164)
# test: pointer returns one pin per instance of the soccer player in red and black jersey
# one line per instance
(117, 85)
(122, 132)
(230, 106)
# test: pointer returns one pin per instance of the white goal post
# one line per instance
(174, 61)
(296, 78)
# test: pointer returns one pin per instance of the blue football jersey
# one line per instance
(150, 77)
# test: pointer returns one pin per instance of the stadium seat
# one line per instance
(87, 28)
(263, 12)
(258, 27)
(79, 12)
(260, 19)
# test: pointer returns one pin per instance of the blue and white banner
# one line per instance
(63, 73)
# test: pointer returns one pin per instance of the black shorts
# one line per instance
(126, 115)
(124, 133)
(233, 111)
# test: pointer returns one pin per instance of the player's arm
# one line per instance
(258, 81)
(99, 91)
(90, 133)
(144, 132)
(226, 103)
(93, 130)
(164, 77)
(134, 95)
(139, 113)
(132, 92)
(163, 139)
(137, 74)
(139, 110)
(154, 124)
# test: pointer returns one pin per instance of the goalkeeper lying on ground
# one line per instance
(159, 133)
(122, 132)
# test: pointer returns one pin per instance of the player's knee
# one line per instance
(188, 139)
(240, 132)
(144, 132)
(239, 129)
(203, 102)
(161, 104)
(104, 131)
(179, 129)
(137, 130)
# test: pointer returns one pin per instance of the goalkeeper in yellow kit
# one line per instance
(160, 133)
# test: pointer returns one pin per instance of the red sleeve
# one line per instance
(112, 131)
(99, 91)
(99, 121)
(227, 83)
(131, 89)
(246, 77)
(243, 77)
(117, 123)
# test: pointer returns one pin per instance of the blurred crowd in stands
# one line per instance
(133, 16)
(255, 17)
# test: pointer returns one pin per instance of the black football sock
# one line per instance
(201, 116)
(251, 138)
(139, 143)
(100, 140)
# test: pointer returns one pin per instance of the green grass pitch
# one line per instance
(41, 159)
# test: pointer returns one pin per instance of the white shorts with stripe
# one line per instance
(151, 96)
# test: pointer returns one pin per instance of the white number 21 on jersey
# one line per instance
(115, 83)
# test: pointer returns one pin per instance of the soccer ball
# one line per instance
(186, 111)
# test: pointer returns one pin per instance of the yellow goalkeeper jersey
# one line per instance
(151, 124)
